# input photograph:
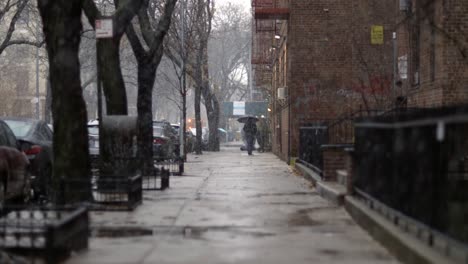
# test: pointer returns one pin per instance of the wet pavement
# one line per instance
(232, 208)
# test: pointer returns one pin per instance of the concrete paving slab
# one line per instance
(233, 208)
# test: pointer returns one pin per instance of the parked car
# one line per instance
(14, 175)
(35, 140)
(176, 128)
(205, 136)
(93, 142)
(165, 141)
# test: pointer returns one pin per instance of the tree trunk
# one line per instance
(111, 76)
(198, 125)
(146, 78)
(212, 111)
(211, 102)
(62, 27)
(48, 103)
(198, 94)
(183, 128)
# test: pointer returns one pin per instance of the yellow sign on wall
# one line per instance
(377, 35)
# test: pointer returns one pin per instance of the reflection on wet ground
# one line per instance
(232, 208)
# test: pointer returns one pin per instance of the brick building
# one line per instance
(433, 43)
(317, 61)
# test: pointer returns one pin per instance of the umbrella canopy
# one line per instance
(245, 119)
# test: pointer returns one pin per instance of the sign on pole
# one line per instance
(104, 28)
(238, 108)
(403, 66)
(377, 35)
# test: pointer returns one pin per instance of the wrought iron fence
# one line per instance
(175, 166)
(416, 162)
(108, 194)
(158, 181)
(341, 130)
(44, 233)
(311, 138)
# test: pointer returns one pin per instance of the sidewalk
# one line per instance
(232, 208)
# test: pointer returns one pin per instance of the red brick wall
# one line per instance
(443, 70)
(331, 61)
(319, 61)
(454, 19)
(333, 159)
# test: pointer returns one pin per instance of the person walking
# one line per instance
(250, 130)
(262, 135)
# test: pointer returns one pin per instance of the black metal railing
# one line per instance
(311, 138)
(341, 130)
(158, 181)
(175, 166)
(416, 162)
(41, 233)
(107, 194)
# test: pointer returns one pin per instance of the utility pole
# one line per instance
(250, 71)
(38, 114)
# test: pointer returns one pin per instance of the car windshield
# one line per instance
(93, 130)
(19, 128)
(157, 131)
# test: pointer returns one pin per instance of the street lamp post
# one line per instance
(38, 114)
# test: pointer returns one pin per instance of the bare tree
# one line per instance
(202, 76)
(228, 52)
(183, 52)
(68, 107)
(13, 12)
(148, 60)
(109, 52)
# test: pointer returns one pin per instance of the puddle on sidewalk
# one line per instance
(189, 232)
(222, 233)
(283, 194)
(314, 216)
(117, 232)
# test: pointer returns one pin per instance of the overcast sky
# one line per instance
(246, 3)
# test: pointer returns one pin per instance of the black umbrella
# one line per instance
(245, 119)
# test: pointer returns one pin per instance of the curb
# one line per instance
(308, 173)
(404, 246)
(331, 191)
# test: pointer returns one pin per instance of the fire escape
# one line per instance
(268, 16)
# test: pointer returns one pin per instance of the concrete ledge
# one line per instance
(332, 191)
(404, 246)
(342, 177)
(308, 173)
